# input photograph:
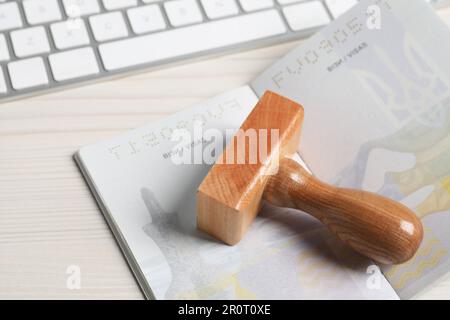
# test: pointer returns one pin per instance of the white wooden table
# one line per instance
(48, 218)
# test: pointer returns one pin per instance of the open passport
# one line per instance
(375, 88)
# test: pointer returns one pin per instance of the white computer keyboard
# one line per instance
(46, 44)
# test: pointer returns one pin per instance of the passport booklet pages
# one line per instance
(375, 88)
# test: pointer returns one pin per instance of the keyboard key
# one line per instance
(252, 5)
(108, 26)
(3, 88)
(284, 2)
(146, 19)
(69, 34)
(118, 4)
(41, 11)
(27, 73)
(9, 16)
(189, 40)
(79, 8)
(4, 52)
(220, 8)
(338, 7)
(183, 12)
(63, 68)
(30, 41)
(306, 15)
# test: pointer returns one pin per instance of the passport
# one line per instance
(375, 88)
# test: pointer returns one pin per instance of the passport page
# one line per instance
(150, 204)
(375, 88)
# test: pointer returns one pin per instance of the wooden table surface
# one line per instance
(49, 221)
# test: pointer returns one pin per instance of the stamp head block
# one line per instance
(229, 197)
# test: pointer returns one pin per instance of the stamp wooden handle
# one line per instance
(377, 227)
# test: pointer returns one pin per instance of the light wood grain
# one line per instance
(48, 218)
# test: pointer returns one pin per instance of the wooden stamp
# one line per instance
(230, 196)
